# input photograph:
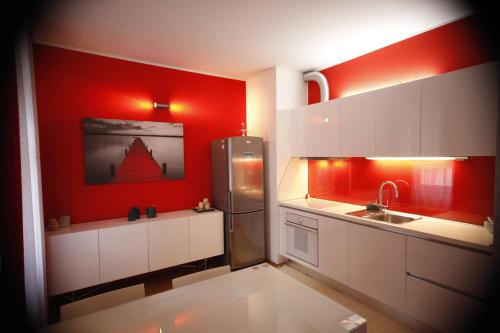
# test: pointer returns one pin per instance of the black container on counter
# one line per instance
(151, 212)
(134, 213)
(137, 212)
(131, 215)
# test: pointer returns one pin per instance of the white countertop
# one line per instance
(102, 224)
(455, 233)
(256, 299)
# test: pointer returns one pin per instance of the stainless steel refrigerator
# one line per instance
(238, 190)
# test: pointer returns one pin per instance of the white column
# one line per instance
(33, 229)
(267, 94)
(261, 110)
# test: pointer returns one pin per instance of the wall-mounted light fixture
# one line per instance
(160, 106)
(418, 158)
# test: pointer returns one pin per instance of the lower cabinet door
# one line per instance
(334, 249)
(72, 261)
(377, 264)
(439, 307)
(123, 251)
(206, 235)
(168, 243)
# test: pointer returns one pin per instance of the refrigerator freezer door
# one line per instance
(246, 239)
(246, 174)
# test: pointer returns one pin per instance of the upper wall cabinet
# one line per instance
(316, 130)
(397, 120)
(453, 114)
(357, 125)
(459, 112)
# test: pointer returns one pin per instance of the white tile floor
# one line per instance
(378, 322)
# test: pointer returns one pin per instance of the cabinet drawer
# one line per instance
(439, 307)
(459, 269)
(451, 255)
(464, 280)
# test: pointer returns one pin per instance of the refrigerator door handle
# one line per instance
(231, 224)
(229, 165)
(230, 201)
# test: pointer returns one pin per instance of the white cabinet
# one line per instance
(397, 120)
(459, 112)
(168, 243)
(445, 284)
(85, 255)
(206, 235)
(439, 307)
(377, 264)
(456, 268)
(123, 251)
(334, 249)
(72, 261)
(453, 114)
(316, 130)
(357, 125)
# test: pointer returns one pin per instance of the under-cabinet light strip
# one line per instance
(419, 158)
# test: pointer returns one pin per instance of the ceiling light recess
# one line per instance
(418, 158)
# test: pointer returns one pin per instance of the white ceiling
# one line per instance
(238, 38)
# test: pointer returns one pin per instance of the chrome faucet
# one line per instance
(380, 193)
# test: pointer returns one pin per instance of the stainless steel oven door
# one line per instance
(302, 243)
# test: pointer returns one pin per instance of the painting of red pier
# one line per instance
(126, 151)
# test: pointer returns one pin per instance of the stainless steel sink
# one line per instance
(384, 217)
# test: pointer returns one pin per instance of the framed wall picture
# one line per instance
(127, 151)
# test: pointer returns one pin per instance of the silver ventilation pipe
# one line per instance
(320, 79)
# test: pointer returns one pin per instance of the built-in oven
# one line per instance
(302, 237)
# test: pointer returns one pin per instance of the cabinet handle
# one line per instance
(298, 226)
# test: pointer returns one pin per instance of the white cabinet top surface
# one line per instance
(122, 221)
(451, 232)
(255, 299)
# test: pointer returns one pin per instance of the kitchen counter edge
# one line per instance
(395, 228)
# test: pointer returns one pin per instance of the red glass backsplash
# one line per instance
(454, 190)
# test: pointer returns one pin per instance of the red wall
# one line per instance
(455, 190)
(72, 85)
(444, 49)
(469, 196)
